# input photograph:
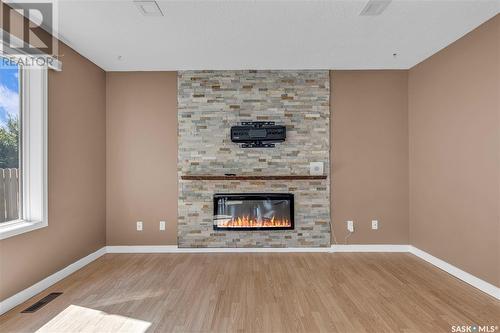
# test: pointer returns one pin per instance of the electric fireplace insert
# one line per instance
(253, 211)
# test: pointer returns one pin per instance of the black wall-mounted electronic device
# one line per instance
(258, 134)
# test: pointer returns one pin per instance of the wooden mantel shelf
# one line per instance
(251, 177)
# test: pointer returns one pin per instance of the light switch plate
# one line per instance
(350, 226)
(162, 225)
(374, 224)
(139, 225)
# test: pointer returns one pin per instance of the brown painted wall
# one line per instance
(369, 153)
(77, 157)
(370, 176)
(142, 157)
(454, 114)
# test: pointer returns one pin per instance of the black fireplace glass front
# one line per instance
(253, 211)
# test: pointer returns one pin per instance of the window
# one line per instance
(23, 148)
(10, 140)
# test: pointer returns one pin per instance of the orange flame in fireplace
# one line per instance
(248, 222)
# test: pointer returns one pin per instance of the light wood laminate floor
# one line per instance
(258, 292)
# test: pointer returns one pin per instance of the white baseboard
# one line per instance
(142, 249)
(370, 248)
(40, 286)
(29, 292)
(176, 249)
(333, 248)
(457, 272)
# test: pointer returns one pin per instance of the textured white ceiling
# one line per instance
(266, 34)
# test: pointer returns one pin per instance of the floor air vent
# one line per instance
(41, 303)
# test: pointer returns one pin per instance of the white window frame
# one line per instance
(34, 140)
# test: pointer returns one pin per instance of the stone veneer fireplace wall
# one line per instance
(209, 103)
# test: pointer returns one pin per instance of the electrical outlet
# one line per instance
(374, 224)
(162, 225)
(350, 226)
(139, 225)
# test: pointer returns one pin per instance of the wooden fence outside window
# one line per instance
(9, 194)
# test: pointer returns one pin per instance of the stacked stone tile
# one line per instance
(209, 103)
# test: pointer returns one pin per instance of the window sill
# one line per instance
(15, 228)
